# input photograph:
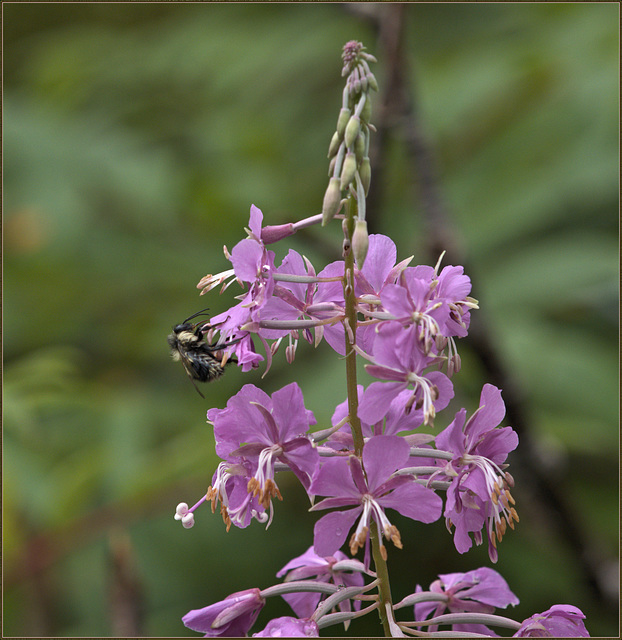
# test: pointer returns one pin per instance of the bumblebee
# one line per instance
(202, 361)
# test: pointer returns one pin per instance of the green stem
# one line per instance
(384, 587)
(348, 289)
(382, 573)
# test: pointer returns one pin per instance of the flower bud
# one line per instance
(371, 80)
(332, 201)
(363, 77)
(365, 173)
(342, 121)
(360, 242)
(359, 147)
(348, 170)
(275, 232)
(352, 130)
(333, 147)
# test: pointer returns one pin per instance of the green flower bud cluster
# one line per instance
(348, 151)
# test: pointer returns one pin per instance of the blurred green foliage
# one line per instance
(136, 136)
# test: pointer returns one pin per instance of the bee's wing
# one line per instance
(185, 360)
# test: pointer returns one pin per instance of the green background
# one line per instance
(136, 136)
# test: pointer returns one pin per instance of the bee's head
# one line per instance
(184, 326)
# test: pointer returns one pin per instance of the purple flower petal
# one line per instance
(288, 627)
(246, 257)
(380, 259)
(452, 437)
(308, 559)
(290, 413)
(483, 585)
(560, 621)
(230, 617)
(334, 479)
(490, 414)
(377, 400)
(331, 530)
(415, 502)
(382, 455)
(395, 301)
(255, 220)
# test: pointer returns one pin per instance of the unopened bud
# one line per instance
(355, 78)
(352, 131)
(276, 232)
(333, 147)
(332, 201)
(348, 170)
(363, 78)
(342, 121)
(359, 147)
(365, 173)
(371, 80)
(360, 242)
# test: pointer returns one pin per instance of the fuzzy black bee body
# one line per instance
(202, 361)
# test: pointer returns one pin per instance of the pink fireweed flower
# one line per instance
(369, 493)
(231, 617)
(237, 505)
(413, 301)
(398, 358)
(480, 490)
(380, 269)
(251, 261)
(254, 264)
(438, 305)
(263, 430)
(478, 591)
(560, 621)
(453, 289)
(336, 569)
